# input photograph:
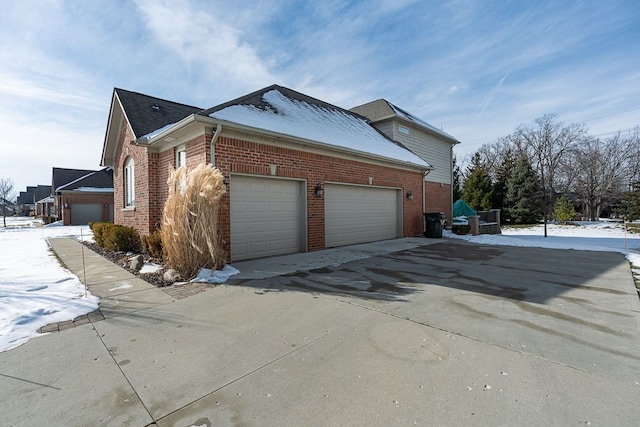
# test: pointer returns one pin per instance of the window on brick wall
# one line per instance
(129, 183)
(181, 156)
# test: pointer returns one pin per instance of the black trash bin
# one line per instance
(434, 223)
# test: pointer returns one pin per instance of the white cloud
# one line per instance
(207, 38)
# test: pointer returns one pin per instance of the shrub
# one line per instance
(120, 238)
(563, 209)
(460, 229)
(98, 231)
(152, 244)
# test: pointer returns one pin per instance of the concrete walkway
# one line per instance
(431, 332)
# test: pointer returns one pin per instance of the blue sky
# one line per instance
(477, 69)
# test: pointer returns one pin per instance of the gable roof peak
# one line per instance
(257, 100)
(147, 113)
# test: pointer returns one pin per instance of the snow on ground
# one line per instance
(34, 289)
(586, 236)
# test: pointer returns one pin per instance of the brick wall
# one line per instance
(238, 156)
(235, 155)
(438, 199)
(145, 172)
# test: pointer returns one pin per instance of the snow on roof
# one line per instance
(68, 184)
(316, 123)
(410, 117)
(95, 189)
(156, 132)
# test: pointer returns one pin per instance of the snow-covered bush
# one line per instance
(460, 225)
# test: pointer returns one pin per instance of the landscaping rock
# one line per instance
(136, 262)
(171, 275)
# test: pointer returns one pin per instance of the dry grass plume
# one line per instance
(189, 230)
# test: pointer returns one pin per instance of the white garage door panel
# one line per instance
(265, 217)
(84, 213)
(359, 214)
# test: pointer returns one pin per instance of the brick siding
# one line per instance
(236, 155)
(438, 199)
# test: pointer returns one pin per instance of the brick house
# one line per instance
(27, 200)
(302, 174)
(81, 196)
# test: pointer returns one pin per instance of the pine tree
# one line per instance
(477, 191)
(457, 177)
(563, 209)
(500, 185)
(522, 201)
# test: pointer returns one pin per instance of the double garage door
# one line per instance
(84, 213)
(268, 216)
(358, 214)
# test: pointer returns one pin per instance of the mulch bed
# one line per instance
(122, 259)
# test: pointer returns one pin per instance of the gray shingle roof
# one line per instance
(256, 99)
(70, 179)
(147, 113)
(284, 111)
(94, 179)
(381, 109)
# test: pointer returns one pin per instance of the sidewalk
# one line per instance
(120, 291)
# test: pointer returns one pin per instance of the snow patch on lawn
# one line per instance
(35, 290)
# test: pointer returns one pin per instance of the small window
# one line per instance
(181, 156)
(403, 129)
(129, 183)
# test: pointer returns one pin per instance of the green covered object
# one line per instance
(461, 208)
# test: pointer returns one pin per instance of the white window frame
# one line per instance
(181, 156)
(129, 183)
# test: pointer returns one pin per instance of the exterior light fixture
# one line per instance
(318, 190)
(66, 205)
(410, 195)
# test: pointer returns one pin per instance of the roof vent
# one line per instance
(156, 107)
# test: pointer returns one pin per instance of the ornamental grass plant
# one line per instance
(189, 233)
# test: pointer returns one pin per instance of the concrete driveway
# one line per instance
(438, 332)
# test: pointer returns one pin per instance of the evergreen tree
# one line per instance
(563, 209)
(457, 178)
(633, 202)
(505, 169)
(477, 190)
(522, 203)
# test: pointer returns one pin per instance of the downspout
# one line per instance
(452, 183)
(424, 198)
(212, 149)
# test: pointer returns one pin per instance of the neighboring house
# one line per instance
(82, 196)
(45, 209)
(26, 202)
(302, 174)
(423, 139)
(7, 207)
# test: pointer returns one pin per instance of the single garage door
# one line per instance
(355, 214)
(84, 213)
(266, 217)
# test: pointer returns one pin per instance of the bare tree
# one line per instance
(633, 163)
(550, 144)
(6, 193)
(493, 155)
(603, 171)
